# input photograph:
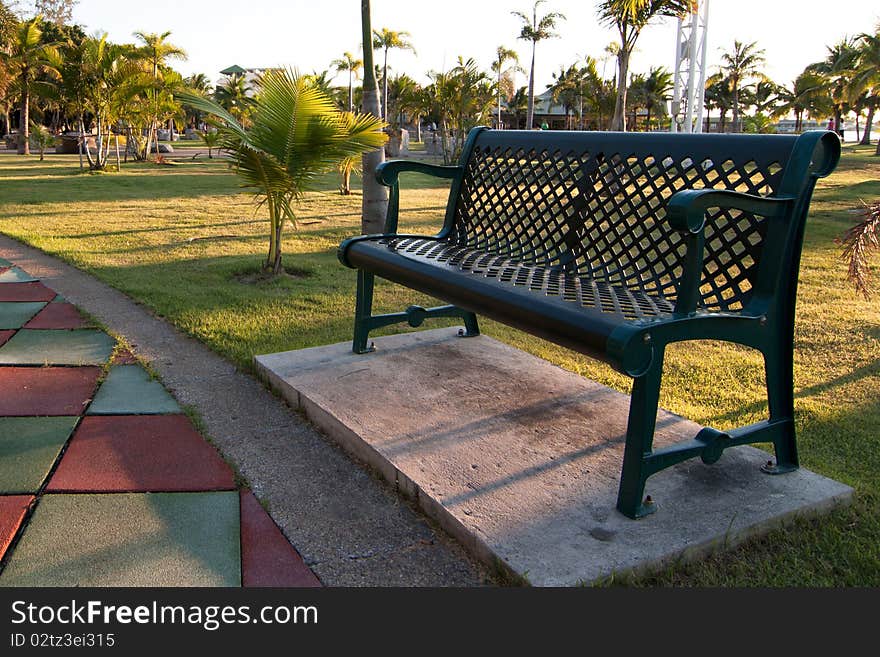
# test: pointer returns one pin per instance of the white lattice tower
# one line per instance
(691, 48)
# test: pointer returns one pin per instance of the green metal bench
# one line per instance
(616, 245)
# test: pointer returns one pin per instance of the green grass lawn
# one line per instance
(186, 243)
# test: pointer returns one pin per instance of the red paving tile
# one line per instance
(46, 391)
(267, 558)
(12, 512)
(25, 292)
(4, 336)
(140, 454)
(58, 316)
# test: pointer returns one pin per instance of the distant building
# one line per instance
(251, 75)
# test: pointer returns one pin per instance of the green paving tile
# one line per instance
(15, 315)
(16, 275)
(85, 347)
(129, 390)
(5, 263)
(28, 449)
(161, 539)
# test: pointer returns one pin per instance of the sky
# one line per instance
(309, 34)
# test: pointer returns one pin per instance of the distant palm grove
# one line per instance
(56, 80)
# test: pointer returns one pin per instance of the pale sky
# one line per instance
(309, 34)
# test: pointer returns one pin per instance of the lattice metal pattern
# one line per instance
(594, 221)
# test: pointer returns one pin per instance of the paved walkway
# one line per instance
(104, 480)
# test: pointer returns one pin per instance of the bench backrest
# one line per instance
(592, 204)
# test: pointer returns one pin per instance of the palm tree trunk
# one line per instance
(385, 87)
(350, 91)
(118, 163)
(866, 136)
(24, 134)
(618, 123)
(375, 196)
(530, 114)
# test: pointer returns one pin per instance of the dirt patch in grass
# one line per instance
(258, 276)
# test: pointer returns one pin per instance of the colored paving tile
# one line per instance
(5, 336)
(160, 540)
(29, 448)
(129, 390)
(16, 315)
(16, 275)
(46, 391)
(12, 512)
(4, 263)
(58, 316)
(140, 454)
(267, 558)
(57, 348)
(25, 292)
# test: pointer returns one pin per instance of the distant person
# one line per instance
(831, 124)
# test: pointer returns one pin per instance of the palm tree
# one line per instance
(28, 58)
(518, 105)
(866, 79)
(719, 96)
(808, 95)
(838, 69)
(502, 56)
(535, 30)
(741, 63)
(350, 65)
(630, 17)
(385, 40)
(156, 51)
(567, 90)
(297, 134)
(375, 196)
(656, 90)
(234, 95)
(42, 138)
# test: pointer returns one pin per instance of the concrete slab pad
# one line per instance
(12, 512)
(59, 316)
(29, 448)
(162, 540)
(520, 460)
(16, 315)
(161, 453)
(16, 275)
(129, 390)
(57, 348)
(5, 336)
(25, 292)
(268, 559)
(46, 391)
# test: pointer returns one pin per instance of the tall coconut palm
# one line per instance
(630, 17)
(866, 79)
(837, 68)
(375, 196)
(156, 51)
(348, 64)
(740, 64)
(536, 29)
(29, 59)
(502, 57)
(385, 40)
(654, 92)
(296, 135)
(234, 95)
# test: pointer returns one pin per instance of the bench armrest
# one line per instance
(686, 212)
(388, 174)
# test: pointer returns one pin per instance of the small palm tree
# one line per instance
(385, 40)
(296, 134)
(350, 65)
(212, 140)
(42, 138)
(155, 51)
(536, 29)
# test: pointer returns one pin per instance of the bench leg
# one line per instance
(643, 405)
(363, 312)
(471, 326)
(780, 401)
